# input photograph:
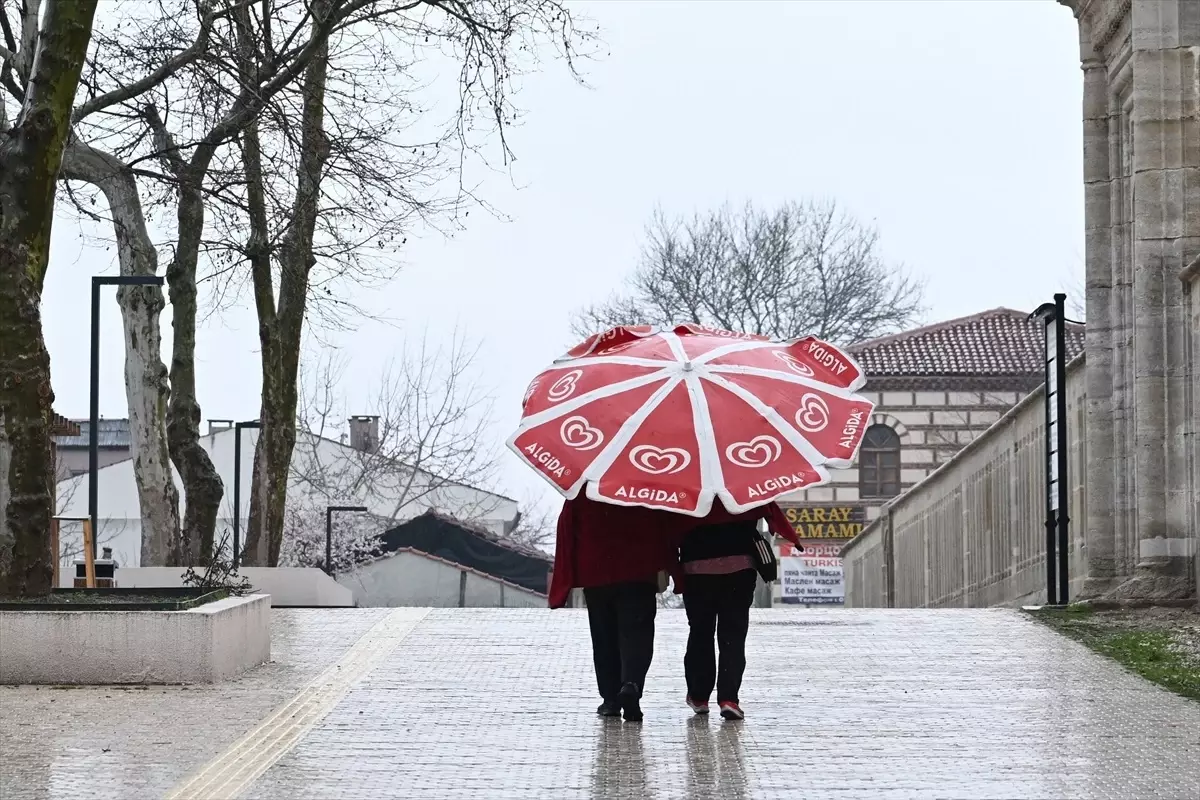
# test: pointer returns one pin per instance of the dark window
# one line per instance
(879, 463)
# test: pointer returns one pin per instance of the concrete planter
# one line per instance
(207, 644)
(303, 587)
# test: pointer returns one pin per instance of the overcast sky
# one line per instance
(953, 126)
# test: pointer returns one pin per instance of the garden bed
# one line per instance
(165, 599)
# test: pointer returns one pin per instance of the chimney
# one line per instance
(364, 433)
(215, 425)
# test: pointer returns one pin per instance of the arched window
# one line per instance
(879, 463)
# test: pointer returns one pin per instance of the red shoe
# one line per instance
(732, 711)
(699, 707)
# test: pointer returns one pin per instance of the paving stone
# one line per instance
(500, 704)
(127, 743)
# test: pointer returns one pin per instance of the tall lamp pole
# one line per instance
(329, 532)
(1058, 495)
(94, 415)
(237, 488)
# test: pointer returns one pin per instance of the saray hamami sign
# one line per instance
(827, 522)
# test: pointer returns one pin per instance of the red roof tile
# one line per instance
(997, 342)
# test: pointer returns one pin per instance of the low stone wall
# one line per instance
(289, 587)
(973, 533)
(208, 644)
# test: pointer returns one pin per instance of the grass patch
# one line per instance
(1159, 655)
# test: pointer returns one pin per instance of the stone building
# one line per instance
(1141, 154)
(935, 388)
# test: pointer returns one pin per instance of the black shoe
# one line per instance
(630, 702)
(609, 708)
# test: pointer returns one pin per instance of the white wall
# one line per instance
(120, 515)
(411, 579)
(287, 586)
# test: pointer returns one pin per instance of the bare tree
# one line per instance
(354, 538)
(803, 268)
(425, 448)
(1076, 290)
(346, 185)
(537, 525)
(163, 88)
(41, 59)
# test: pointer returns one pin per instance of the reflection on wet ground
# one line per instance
(499, 704)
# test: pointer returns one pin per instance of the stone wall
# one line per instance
(1141, 118)
(974, 533)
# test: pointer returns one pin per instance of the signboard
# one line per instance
(814, 577)
(827, 522)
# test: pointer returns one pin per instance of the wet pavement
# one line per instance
(409, 703)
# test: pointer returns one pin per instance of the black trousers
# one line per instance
(621, 616)
(717, 604)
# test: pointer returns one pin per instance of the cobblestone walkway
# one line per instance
(499, 704)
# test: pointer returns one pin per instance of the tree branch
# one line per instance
(164, 143)
(29, 34)
(165, 70)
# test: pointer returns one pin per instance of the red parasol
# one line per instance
(670, 419)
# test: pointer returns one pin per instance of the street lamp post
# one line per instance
(1058, 496)
(329, 533)
(94, 416)
(237, 487)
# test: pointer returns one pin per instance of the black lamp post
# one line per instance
(329, 533)
(237, 487)
(94, 416)
(1058, 518)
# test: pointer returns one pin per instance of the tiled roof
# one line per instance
(483, 533)
(114, 433)
(997, 342)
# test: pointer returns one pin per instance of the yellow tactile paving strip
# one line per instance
(231, 773)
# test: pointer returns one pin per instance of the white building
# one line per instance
(390, 497)
(438, 562)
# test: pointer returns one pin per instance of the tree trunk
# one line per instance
(202, 484)
(272, 463)
(280, 329)
(26, 563)
(145, 375)
(30, 158)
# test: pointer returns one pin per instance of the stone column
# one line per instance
(1142, 174)
(1099, 527)
(1166, 228)
(1190, 277)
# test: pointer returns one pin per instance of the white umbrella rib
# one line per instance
(626, 432)
(772, 416)
(571, 404)
(712, 476)
(779, 375)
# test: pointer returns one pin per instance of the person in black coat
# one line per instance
(718, 591)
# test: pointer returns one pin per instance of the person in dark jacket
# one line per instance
(615, 554)
(719, 583)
